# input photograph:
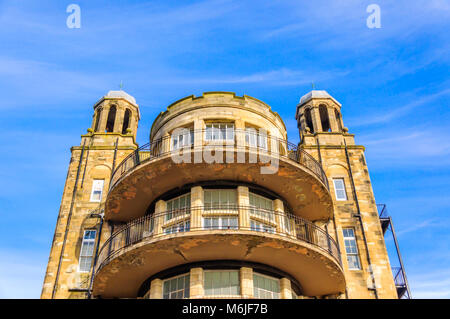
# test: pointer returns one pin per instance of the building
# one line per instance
(219, 205)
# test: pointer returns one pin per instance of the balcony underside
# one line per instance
(301, 188)
(316, 271)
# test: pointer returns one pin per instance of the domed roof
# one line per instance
(121, 94)
(316, 94)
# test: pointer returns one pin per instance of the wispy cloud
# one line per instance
(279, 77)
(389, 149)
(424, 224)
(434, 284)
(35, 81)
(392, 112)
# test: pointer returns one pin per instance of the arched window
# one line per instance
(324, 118)
(126, 121)
(338, 119)
(97, 120)
(308, 120)
(111, 119)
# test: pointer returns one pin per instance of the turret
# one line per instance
(319, 118)
(116, 115)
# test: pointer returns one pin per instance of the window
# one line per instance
(308, 120)
(97, 120)
(220, 222)
(221, 283)
(264, 206)
(177, 287)
(323, 111)
(253, 138)
(178, 227)
(178, 206)
(182, 139)
(97, 190)
(286, 223)
(111, 119)
(262, 227)
(87, 250)
(265, 287)
(351, 249)
(220, 198)
(338, 119)
(219, 132)
(126, 121)
(339, 189)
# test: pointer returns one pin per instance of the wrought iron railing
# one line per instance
(225, 218)
(238, 140)
(399, 273)
(382, 211)
(399, 279)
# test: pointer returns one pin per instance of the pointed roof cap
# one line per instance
(317, 94)
(121, 94)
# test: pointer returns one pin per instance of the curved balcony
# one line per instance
(150, 244)
(268, 161)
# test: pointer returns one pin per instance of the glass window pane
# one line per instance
(215, 198)
(177, 287)
(224, 282)
(339, 188)
(208, 134)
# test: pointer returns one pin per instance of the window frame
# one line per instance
(185, 288)
(278, 294)
(229, 205)
(85, 241)
(179, 227)
(186, 142)
(229, 284)
(95, 189)
(261, 226)
(341, 179)
(211, 132)
(355, 254)
(259, 212)
(180, 211)
(254, 138)
(221, 220)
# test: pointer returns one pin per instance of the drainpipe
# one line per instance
(68, 222)
(360, 218)
(101, 215)
(115, 155)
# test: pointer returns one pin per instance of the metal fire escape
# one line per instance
(401, 283)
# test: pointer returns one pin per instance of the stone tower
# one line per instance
(324, 136)
(218, 204)
(110, 138)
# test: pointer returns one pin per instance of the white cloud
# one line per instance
(36, 81)
(282, 77)
(420, 225)
(432, 284)
(392, 112)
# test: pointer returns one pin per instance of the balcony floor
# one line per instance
(305, 193)
(317, 271)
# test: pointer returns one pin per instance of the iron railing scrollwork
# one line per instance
(159, 225)
(241, 140)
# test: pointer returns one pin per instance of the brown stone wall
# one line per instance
(97, 162)
(359, 283)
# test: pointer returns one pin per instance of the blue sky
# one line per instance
(393, 84)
